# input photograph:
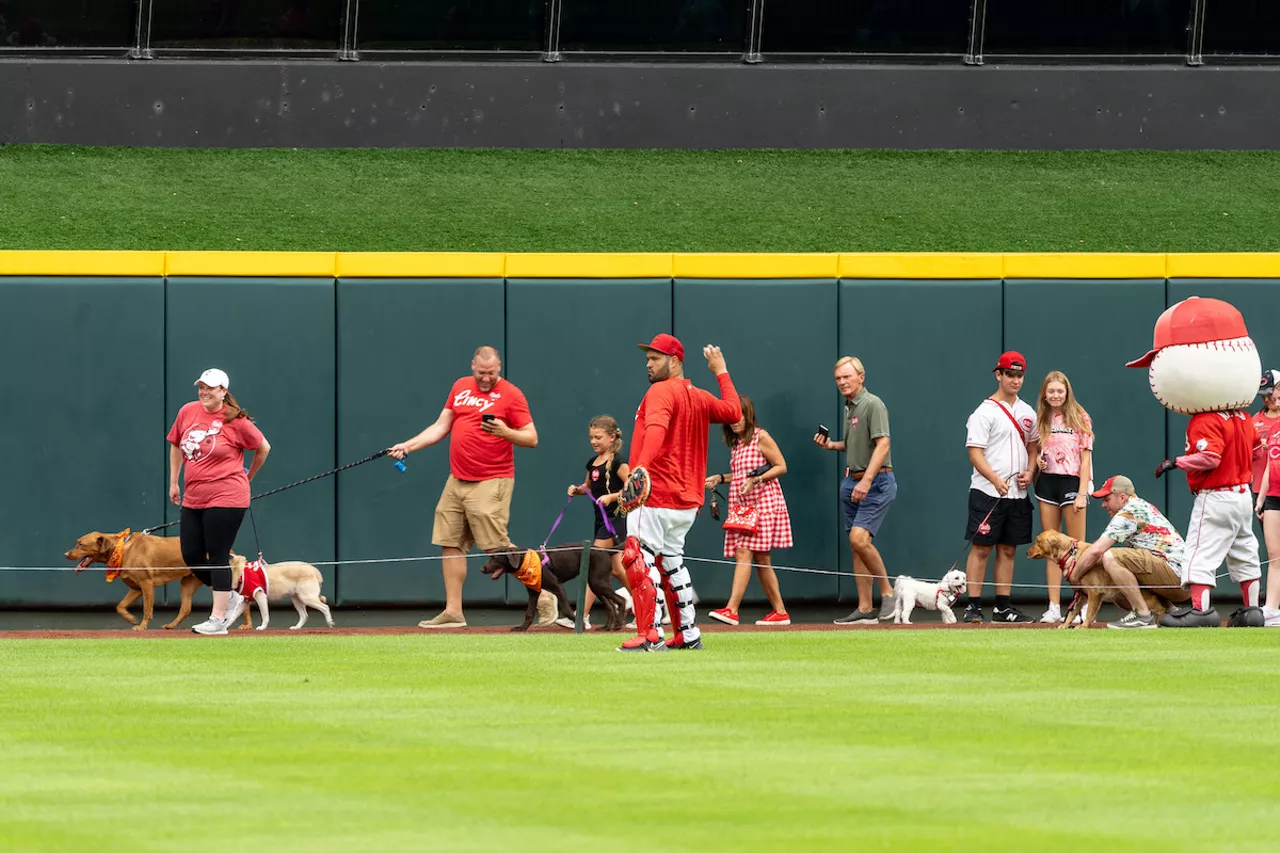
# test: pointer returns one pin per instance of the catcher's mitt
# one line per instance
(1247, 617)
(636, 492)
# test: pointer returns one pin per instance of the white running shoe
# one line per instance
(565, 622)
(235, 608)
(211, 626)
(1053, 615)
(630, 626)
(1271, 617)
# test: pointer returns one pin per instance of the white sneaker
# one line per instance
(1271, 618)
(630, 626)
(235, 608)
(1053, 615)
(211, 626)
(565, 622)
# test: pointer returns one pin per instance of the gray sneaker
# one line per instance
(887, 604)
(444, 620)
(235, 608)
(859, 617)
(1134, 620)
(211, 626)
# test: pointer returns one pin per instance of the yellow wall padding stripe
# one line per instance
(318, 264)
(588, 265)
(1095, 265)
(852, 265)
(421, 264)
(1210, 265)
(749, 265)
(921, 265)
(82, 263)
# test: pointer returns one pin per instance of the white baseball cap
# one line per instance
(213, 377)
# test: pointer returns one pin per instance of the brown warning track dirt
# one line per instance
(400, 630)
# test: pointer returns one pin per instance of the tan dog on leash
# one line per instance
(300, 581)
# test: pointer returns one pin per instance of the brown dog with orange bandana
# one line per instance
(143, 563)
(562, 565)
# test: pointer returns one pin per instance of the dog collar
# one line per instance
(944, 593)
(1070, 555)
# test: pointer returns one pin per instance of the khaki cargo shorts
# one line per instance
(1152, 572)
(473, 513)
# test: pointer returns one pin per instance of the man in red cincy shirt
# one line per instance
(484, 415)
(670, 442)
(1219, 463)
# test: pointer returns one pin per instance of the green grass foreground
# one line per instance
(923, 740)
(646, 201)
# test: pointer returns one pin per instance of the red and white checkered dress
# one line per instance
(774, 527)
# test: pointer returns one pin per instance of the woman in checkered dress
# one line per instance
(753, 449)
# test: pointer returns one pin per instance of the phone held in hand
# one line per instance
(487, 418)
(760, 471)
(823, 431)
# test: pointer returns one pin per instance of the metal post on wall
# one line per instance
(552, 51)
(1195, 33)
(142, 32)
(977, 32)
(347, 47)
(755, 30)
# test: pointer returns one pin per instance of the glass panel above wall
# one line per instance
(1089, 27)
(451, 25)
(247, 24)
(1242, 26)
(711, 26)
(68, 23)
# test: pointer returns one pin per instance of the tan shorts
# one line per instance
(1152, 572)
(473, 513)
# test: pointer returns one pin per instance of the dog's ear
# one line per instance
(515, 558)
(102, 542)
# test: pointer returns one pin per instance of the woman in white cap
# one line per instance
(207, 443)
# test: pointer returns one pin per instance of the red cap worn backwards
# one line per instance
(1194, 321)
(1011, 361)
(665, 344)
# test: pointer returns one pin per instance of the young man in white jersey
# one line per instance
(1001, 441)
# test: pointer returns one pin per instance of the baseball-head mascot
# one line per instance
(1204, 364)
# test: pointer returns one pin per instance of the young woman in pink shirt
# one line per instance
(1065, 467)
(207, 443)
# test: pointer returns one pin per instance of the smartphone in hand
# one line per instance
(487, 418)
(823, 431)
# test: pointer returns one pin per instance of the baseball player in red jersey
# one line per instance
(1203, 363)
(1219, 464)
(670, 442)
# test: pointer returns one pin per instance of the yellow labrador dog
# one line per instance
(300, 581)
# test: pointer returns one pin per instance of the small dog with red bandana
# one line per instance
(908, 592)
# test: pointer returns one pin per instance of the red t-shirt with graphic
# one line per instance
(1265, 429)
(1229, 435)
(474, 454)
(213, 456)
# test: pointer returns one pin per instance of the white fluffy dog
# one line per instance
(908, 592)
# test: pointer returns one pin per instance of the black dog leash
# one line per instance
(381, 453)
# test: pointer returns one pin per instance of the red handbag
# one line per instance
(742, 519)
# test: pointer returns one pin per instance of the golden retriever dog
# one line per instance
(147, 562)
(295, 579)
(1094, 587)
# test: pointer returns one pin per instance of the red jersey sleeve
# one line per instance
(728, 409)
(1205, 434)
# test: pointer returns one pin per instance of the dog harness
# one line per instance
(944, 594)
(254, 578)
(1069, 556)
(116, 560)
(530, 572)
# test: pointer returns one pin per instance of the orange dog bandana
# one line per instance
(116, 560)
(530, 573)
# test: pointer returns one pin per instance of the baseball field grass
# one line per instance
(67, 197)
(999, 740)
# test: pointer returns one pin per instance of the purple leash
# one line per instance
(559, 518)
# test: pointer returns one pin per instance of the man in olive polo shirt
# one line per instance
(868, 487)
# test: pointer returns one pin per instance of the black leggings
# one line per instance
(207, 536)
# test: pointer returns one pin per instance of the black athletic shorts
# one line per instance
(1057, 489)
(1009, 522)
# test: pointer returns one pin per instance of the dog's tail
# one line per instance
(899, 584)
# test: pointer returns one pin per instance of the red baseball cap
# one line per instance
(1194, 321)
(1119, 481)
(1011, 361)
(665, 344)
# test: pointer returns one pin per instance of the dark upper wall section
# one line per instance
(301, 103)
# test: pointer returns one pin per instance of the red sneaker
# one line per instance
(775, 618)
(725, 615)
(641, 643)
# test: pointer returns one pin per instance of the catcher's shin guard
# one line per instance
(644, 596)
(677, 589)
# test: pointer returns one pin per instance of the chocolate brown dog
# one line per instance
(562, 566)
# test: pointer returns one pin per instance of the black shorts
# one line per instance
(1057, 489)
(1009, 520)
(619, 528)
(1270, 504)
